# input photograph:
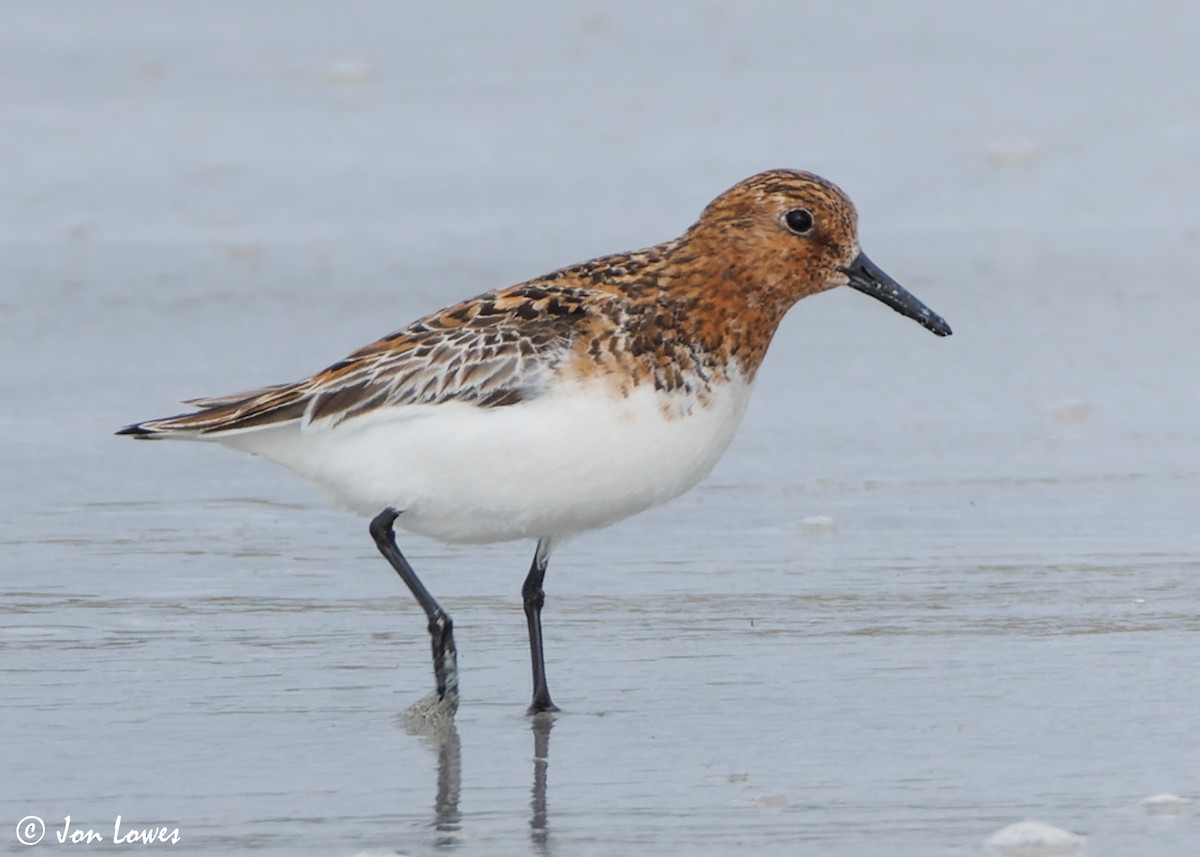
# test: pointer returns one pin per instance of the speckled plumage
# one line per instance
(673, 316)
(564, 403)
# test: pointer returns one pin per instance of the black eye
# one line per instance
(799, 220)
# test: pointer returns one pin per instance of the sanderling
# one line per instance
(561, 404)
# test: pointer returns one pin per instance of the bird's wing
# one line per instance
(208, 402)
(494, 350)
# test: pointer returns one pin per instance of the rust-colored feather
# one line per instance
(676, 316)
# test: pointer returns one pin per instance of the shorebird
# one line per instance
(561, 404)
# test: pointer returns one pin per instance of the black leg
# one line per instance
(441, 628)
(534, 598)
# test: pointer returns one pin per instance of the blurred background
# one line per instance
(935, 586)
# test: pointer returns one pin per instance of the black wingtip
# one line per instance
(135, 430)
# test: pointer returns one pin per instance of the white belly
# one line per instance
(570, 460)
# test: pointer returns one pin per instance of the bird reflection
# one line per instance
(446, 817)
(437, 727)
(442, 734)
(539, 830)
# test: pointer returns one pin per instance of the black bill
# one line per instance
(867, 277)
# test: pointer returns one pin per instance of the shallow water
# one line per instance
(935, 587)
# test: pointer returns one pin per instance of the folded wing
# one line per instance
(494, 350)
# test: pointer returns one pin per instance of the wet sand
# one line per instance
(934, 588)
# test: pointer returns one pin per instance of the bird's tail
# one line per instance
(224, 415)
